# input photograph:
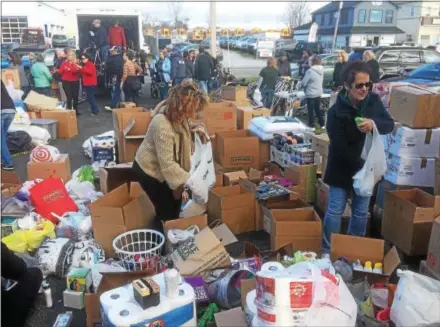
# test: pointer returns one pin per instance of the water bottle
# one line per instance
(343, 269)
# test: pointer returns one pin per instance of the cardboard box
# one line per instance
(354, 248)
(408, 142)
(234, 93)
(384, 187)
(300, 227)
(61, 169)
(304, 178)
(183, 224)
(199, 254)
(245, 114)
(37, 102)
(427, 271)
(234, 177)
(134, 133)
(322, 190)
(408, 218)
(237, 149)
(120, 119)
(127, 105)
(415, 107)
(231, 318)
(234, 206)
(11, 183)
(123, 209)
(433, 258)
(109, 281)
(264, 153)
(410, 171)
(112, 177)
(320, 144)
(323, 167)
(220, 117)
(67, 124)
(11, 75)
(79, 279)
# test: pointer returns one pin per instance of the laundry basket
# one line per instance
(139, 249)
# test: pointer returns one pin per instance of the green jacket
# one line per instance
(41, 74)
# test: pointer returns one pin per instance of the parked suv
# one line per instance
(296, 53)
(59, 41)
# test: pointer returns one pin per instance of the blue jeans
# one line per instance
(116, 96)
(164, 91)
(90, 93)
(203, 86)
(337, 201)
(6, 122)
(104, 52)
(43, 90)
(267, 97)
(177, 81)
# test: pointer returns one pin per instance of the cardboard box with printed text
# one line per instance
(220, 117)
(60, 168)
(237, 149)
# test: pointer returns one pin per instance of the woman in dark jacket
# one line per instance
(346, 142)
(339, 67)
(373, 65)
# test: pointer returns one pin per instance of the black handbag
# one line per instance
(133, 83)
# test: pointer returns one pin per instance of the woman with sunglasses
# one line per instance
(70, 79)
(163, 160)
(90, 80)
(346, 143)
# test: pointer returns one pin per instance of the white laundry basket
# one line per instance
(140, 249)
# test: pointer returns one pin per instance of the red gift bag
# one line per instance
(49, 196)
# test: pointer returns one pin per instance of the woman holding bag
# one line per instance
(353, 116)
(163, 160)
(131, 83)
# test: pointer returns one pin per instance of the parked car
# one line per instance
(284, 45)
(235, 42)
(293, 55)
(428, 74)
(9, 46)
(59, 41)
(241, 44)
(328, 61)
(252, 44)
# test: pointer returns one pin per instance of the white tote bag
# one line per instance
(375, 164)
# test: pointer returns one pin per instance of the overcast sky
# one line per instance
(249, 14)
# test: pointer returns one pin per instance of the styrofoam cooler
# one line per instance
(125, 312)
(48, 124)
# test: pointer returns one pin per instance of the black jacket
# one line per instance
(346, 141)
(178, 67)
(284, 68)
(189, 71)
(6, 102)
(203, 67)
(114, 66)
(374, 68)
(337, 79)
(100, 37)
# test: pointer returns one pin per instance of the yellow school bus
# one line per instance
(197, 35)
(239, 32)
(165, 32)
(181, 32)
(256, 30)
(224, 32)
(207, 33)
(286, 33)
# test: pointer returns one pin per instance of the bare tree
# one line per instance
(176, 8)
(297, 13)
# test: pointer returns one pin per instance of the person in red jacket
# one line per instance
(70, 78)
(90, 80)
(116, 36)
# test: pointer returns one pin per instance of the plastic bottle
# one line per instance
(358, 266)
(47, 294)
(368, 266)
(172, 280)
(343, 269)
(378, 268)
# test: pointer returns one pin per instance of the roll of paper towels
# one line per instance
(272, 266)
(280, 316)
(250, 308)
(115, 297)
(124, 315)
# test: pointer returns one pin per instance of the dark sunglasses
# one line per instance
(368, 85)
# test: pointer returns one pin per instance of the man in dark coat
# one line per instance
(114, 68)
(189, 65)
(100, 39)
(347, 138)
(20, 287)
(283, 65)
(178, 68)
(203, 69)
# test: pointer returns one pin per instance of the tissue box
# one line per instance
(79, 279)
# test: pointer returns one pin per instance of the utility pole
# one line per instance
(338, 16)
(212, 7)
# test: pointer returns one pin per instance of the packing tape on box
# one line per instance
(115, 298)
(123, 314)
(272, 266)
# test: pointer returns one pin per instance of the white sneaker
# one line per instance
(108, 108)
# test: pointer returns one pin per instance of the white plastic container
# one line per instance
(178, 311)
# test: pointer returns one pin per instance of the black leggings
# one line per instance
(160, 194)
(313, 107)
(17, 302)
(72, 92)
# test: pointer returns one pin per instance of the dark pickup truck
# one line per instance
(294, 55)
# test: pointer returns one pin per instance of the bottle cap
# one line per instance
(367, 264)
(378, 265)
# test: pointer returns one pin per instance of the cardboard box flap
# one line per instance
(10, 177)
(247, 185)
(231, 318)
(295, 215)
(246, 286)
(128, 131)
(224, 234)
(112, 177)
(391, 261)
(111, 280)
(184, 223)
(355, 248)
(41, 101)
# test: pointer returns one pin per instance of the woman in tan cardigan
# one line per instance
(163, 160)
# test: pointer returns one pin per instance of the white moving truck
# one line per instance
(79, 24)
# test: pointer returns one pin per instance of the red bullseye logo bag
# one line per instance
(45, 153)
(51, 196)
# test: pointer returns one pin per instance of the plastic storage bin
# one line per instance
(49, 124)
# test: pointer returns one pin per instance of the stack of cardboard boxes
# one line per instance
(411, 151)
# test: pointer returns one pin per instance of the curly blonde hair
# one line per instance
(185, 101)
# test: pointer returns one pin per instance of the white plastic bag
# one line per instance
(13, 92)
(416, 301)
(258, 99)
(374, 167)
(202, 171)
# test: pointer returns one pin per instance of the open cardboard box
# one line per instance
(237, 149)
(112, 177)
(134, 132)
(109, 281)
(354, 248)
(11, 183)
